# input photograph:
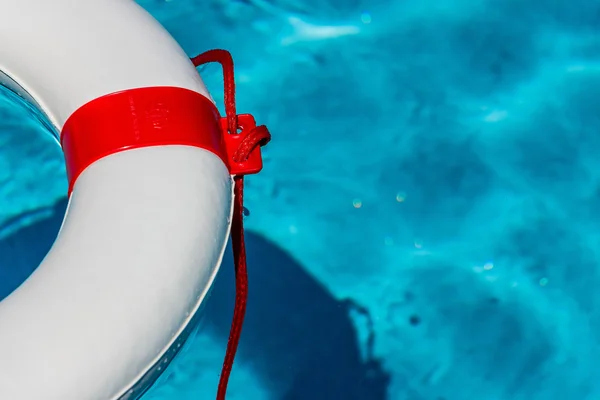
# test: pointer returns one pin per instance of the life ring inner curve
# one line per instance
(145, 229)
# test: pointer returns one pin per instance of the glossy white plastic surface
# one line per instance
(145, 229)
(65, 53)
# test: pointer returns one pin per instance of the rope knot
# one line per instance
(256, 137)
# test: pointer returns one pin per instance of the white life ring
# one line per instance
(145, 229)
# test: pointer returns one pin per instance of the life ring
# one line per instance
(154, 177)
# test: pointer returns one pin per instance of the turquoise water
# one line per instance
(427, 223)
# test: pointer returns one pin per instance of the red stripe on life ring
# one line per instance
(136, 118)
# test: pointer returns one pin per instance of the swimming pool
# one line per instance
(426, 224)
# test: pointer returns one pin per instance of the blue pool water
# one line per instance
(427, 225)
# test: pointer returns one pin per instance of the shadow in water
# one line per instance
(296, 333)
(22, 250)
(301, 340)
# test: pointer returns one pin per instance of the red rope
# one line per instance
(258, 136)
